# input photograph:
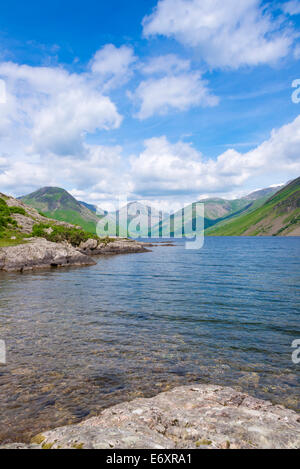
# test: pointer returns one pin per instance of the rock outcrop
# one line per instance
(38, 253)
(33, 216)
(118, 246)
(191, 417)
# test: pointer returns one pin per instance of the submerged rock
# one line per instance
(200, 416)
(38, 253)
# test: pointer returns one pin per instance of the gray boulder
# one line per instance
(89, 244)
(38, 253)
(121, 246)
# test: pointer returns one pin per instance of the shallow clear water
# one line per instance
(79, 340)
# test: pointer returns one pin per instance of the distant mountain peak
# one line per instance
(59, 204)
(263, 192)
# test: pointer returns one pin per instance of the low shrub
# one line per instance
(19, 210)
(59, 233)
(5, 215)
(42, 214)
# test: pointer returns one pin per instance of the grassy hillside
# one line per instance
(219, 211)
(18, 222)
(8, 225)
(58, 204)
(279, 215)
(252, 205)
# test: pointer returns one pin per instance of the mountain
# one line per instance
(278, 216)
(91, 207)
(58, 204)
(218, 211)
(19, 221)
(263, 193)
(138, 217)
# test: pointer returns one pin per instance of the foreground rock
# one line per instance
(200, 416)
(38, 253)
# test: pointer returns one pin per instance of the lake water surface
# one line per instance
(82, 339)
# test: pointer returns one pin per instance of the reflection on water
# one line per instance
(79, 340)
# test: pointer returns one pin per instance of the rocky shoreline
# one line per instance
(187, 417)
(38, 253)
(118, 246)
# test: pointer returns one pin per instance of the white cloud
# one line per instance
(48, 112)
(173, 86)
(3, 162)
(113, 65)
(226, 34)
(180, 92)
(61, 126)
(167, 64)
(51, 110)
(2, 92)
(173, 169)
(43, 128)
(297, 52)
(101, 173)
(167, 174)
(291, 8)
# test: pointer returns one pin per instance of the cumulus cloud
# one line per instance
(101, 174)
(164, 168)
(3, 162)
(44, 122)
(113, 65)
(179, 92)
(227, 34)
(292, 7)
(166, 64)
(53, 109)
(172, 86)
(59, 128)
(2, 92)
(297, 52)
(164, 173)
(49, 111)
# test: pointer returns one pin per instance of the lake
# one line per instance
(81, 339)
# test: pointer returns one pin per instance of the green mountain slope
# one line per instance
(279, 215)
(19, 221)
(219, 211)
(93, 208)
(58, 204)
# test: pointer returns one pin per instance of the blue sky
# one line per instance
(169, 101)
